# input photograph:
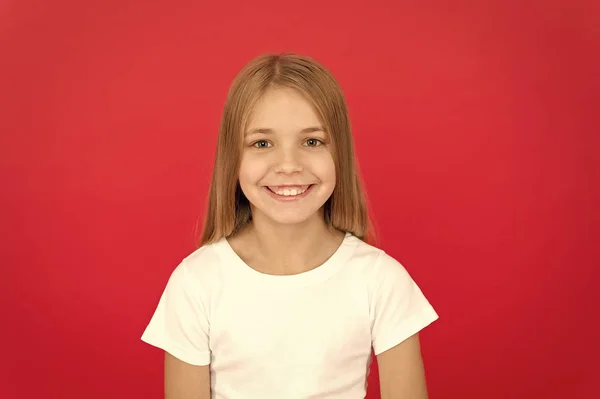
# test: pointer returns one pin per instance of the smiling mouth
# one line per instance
(289, 191)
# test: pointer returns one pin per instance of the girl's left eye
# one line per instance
(314, 142)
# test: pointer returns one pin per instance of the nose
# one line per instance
(288, 161)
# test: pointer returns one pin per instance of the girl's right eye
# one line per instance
(261, 144)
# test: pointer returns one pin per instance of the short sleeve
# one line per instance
(180, 324)
(398, 307)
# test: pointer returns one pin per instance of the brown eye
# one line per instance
(313, 142)
(261, 144)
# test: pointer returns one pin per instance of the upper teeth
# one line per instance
(290, 191)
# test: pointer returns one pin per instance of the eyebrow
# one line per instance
(311, 129)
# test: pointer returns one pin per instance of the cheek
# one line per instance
(251, 171)
(325, 168)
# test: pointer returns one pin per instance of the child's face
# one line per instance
(287, 170)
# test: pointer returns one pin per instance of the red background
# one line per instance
(477, 130)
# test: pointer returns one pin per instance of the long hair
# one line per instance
(228, 209)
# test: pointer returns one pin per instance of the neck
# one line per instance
(292, 248)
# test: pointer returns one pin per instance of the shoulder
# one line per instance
(376, 262)
(204, 261)
(199, 269)
(382, 274)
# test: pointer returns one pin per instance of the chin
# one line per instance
(289, 218)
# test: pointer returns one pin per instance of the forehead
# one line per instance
(283, 109)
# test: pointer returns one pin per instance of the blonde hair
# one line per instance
(228, 208)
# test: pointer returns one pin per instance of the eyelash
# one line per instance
(319, 143)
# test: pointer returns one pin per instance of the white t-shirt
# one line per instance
(308, 335)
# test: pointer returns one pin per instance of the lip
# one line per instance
(289, 198)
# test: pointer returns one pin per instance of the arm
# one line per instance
(180, 327)
(401, 372)
(399, 311)
(185, 381)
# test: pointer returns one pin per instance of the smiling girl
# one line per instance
(284, 298)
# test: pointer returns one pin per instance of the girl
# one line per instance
(285, 298)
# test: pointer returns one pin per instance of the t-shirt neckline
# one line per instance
(313, 276)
